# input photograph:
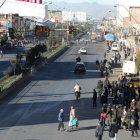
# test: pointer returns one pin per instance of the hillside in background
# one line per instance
(93, 9)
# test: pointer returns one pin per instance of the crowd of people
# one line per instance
(123, 110)
(106, 66)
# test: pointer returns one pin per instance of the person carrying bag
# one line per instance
(99, 131)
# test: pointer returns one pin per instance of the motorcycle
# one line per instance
(77, 95)
(78, 59)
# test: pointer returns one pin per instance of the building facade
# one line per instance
(123, 9)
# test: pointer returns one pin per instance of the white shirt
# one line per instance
(77, 88)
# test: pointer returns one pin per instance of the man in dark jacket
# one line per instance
(94, 98)
(113, 130)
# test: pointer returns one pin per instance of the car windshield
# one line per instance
(114, 45)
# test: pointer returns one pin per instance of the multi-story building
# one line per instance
(128, 18)
(123, 9)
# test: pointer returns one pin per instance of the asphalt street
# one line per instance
(31, 112)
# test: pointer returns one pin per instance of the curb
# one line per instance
(27, 77)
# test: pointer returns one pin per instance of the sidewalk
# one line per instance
(117, 69)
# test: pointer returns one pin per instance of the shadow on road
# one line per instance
(34, 113)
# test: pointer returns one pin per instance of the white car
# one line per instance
(115, 47)
(82, 51)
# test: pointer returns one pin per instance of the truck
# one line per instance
(129, 68)
(110, 38)
(93, 36)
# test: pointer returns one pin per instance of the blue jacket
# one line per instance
(60, 116)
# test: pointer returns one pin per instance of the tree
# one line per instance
(138, 63)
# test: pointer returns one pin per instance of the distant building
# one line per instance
(74, 16)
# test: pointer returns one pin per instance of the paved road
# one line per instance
(31, 113)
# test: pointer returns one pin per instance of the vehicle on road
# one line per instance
(82, 39)
(78, 59)
(129, 68)
(115, 46)
(134, 81)
(82, 51)
(93, 36)
(77, 91)
(80, 67)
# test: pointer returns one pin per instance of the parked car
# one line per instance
(80, 67)
(82, 51)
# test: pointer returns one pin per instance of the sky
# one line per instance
(104, 2)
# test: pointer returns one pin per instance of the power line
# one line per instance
(2, 3)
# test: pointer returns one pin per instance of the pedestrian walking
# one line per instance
(1, 53)
(119, 57)
(108, 114)
(104, 54)
(102, 118)
(113, 130)
(73, 119)
(99, 131)
(134, 121)
(116, 59)
(94, 98)
(61, 120)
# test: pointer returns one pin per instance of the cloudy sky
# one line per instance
(77, 1)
